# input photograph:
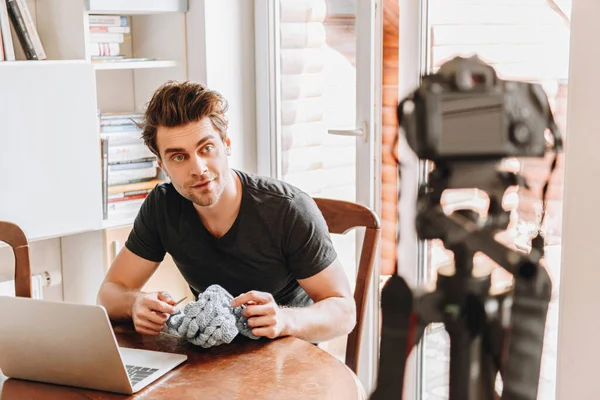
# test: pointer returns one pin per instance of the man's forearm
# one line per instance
(117, 300)
(322, 321)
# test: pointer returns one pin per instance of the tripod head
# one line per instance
(466, 120)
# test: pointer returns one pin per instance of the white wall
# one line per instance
(230, 70)
(579, 326)
(44, 255)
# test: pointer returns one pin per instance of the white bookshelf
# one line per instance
(49, 131)
(27, 63)
(134, 7)
(117, 223)
(157, 37)
(134, 64)
(52, 106)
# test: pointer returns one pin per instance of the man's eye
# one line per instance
(208, 148)
(178, 158)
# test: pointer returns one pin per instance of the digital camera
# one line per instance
(464, 111)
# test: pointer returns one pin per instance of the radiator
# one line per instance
(38, 283)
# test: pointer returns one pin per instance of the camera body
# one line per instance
(465, 112)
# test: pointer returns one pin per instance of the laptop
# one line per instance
(73, 344)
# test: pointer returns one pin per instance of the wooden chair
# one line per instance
(342, 216)
(15, 238)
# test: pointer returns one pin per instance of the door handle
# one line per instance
(360, 131)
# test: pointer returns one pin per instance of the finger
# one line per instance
(141, 328)
(149, 325)
(166, 297)
(258, 310)
(144, 331)
(145, 314)
(264, 321)
(154, 317)
(253, 295)
(268, 332)
(160, 306)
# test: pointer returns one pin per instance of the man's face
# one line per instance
(195, 158)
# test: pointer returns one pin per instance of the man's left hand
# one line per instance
(264, 315)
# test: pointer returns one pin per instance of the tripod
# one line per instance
(490, 331)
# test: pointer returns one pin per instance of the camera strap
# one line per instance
(537, 242)
(524, 338)
(531, 297)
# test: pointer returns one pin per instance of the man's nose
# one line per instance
(199, 166)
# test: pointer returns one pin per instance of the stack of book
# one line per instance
(129, 168)
(17, 12)
(107, 34)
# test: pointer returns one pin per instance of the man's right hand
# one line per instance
(150, 312)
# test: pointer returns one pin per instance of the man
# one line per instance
(262, 240)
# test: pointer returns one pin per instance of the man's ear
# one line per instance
(160, 165)
(227, 143)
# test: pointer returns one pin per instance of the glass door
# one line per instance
(316, 102)
(527, 41)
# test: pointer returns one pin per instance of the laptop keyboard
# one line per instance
(137, 374)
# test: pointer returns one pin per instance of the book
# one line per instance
(1, 48)
(121, 121)
(130, 176)
(7, 43)
(130, 197)
(105, 49)
(137, 160)
(134, 186)
(107, 20)
(104, 152)
(32, 30)
(128, 152)
(131, 127)
(25, 30)
(119, 115)
(106, 58)
(110, 29)
(133, 165)
(126, 59)
(107, 37)
(124, 208)
(127, 194)
(123, 138)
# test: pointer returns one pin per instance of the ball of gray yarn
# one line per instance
(210, 320)
(242, 323)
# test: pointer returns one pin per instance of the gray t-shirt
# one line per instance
(279, 236)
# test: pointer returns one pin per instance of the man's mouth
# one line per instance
(201, 185)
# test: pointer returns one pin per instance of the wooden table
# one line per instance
(286, 369)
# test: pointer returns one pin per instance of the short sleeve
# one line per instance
(308, 247)
(144, 239)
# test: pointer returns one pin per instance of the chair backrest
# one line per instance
(342, 216)
(15, 238)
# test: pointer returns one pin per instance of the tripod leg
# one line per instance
(469, 365)
(397, 307)
(494, 339)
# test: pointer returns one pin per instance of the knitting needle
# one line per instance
(178, 311)
(176, 304)
(179, 302)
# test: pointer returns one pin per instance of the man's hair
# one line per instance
(180, 103)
